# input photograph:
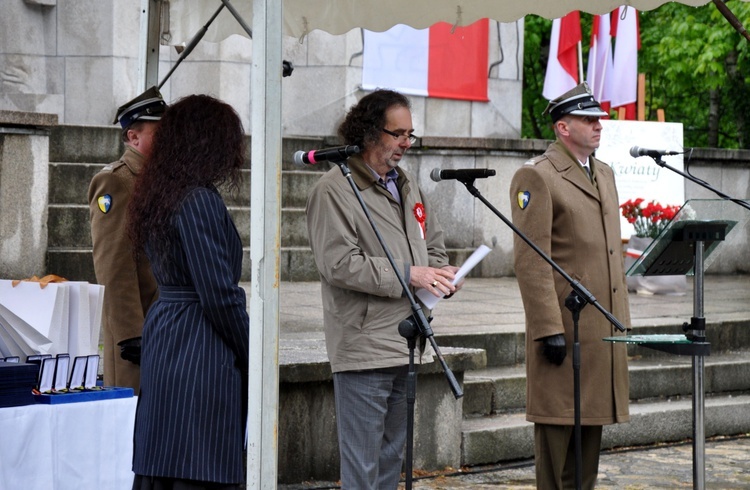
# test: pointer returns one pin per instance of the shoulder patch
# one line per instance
(105, 203)
(523, 198)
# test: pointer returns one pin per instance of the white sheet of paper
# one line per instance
(430, 300)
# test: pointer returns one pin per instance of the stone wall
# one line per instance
(76, 153)
(469, 223)
(24, 191)
(78, 59)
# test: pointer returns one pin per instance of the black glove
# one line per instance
(130, 350)
(554, 348)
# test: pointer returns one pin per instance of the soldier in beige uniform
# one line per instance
(129, 287)
(566, 202)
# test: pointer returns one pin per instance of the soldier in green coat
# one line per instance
(566, 202)
(129, 286)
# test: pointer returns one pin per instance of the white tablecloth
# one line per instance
(76, 446)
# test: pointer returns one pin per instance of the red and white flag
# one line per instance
(562, 65)
(430, 62)
(624, 87)
(599, 70)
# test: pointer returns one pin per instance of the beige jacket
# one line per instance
(362, 297)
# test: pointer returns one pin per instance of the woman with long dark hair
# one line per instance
(190, 421)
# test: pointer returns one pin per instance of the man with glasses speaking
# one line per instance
(363, 300)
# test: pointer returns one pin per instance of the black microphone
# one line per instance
(461, 174)
(335, 155)
(636, 152)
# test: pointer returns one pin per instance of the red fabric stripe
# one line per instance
(570, 36)
(458, 62)
(594, 30)
(614, 18)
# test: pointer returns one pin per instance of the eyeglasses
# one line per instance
(402, 137)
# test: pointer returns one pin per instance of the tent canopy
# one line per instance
(340, 16)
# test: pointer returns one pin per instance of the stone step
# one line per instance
(69, 183)
(508, 437)
(505, 342)
(89, 144)
(69, 226)
(77, 264)
(503, 389)
(85, 144)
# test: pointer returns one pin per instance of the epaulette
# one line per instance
(535, 160)
(110, 167)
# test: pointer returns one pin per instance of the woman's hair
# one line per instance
(199, 143)
(365, 121)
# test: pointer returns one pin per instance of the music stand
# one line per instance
(683, 248)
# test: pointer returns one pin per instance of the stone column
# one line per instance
(24, 191)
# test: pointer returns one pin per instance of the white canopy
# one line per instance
(340, 16)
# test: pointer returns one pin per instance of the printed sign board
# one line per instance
(642, 177)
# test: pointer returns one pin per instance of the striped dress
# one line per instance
(190, 421)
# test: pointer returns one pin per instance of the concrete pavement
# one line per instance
(663, 467)
(492, 305)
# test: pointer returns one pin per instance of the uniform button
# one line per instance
(387, 269)
(611, 251)
(614, 290)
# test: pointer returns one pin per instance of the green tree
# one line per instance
(698, 71)
(697, 68)
(535, 55)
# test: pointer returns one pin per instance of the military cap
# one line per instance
(149, 106)
(577, 101)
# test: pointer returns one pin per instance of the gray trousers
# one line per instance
(371, 421)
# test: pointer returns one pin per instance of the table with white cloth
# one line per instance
(78, 446)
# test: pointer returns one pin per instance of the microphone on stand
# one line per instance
(636, 152)
(334, 155)
(461, 174)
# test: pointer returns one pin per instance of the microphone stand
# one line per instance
(408, 330)
(698, 334)
(575, 302)
(422, 323)
(658, 160)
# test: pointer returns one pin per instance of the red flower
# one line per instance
(650, 219)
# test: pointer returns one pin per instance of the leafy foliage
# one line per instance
(697, 69)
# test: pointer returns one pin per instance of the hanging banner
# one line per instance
(432, 62)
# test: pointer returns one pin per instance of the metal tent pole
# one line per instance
(265, 235)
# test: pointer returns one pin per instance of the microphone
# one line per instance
(461, 174)
(636, 152)
(335, 155)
